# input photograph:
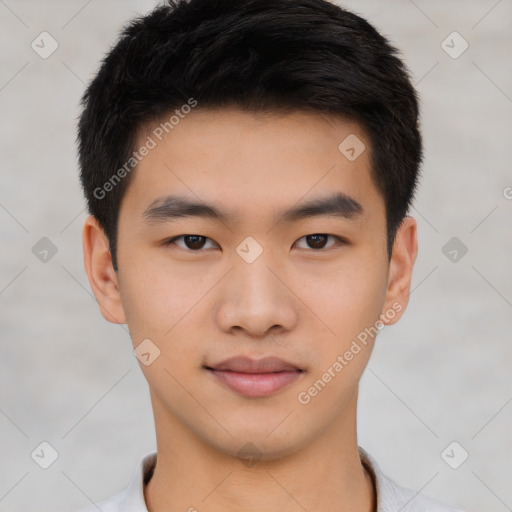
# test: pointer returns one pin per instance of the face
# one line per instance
(286, 260)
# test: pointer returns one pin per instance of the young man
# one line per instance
(248, 167)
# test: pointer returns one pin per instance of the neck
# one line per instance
(325, 474)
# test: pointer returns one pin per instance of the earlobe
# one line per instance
(405, 249)
(102, 277)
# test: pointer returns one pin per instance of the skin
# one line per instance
(301, 303)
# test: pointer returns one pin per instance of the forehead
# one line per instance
(250, 162)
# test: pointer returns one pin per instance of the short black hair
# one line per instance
(259, 56)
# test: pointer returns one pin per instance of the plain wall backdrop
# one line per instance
(441, 375)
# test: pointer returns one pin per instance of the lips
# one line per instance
(255, 378)
(242, 364)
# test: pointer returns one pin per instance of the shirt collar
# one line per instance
(133, 496)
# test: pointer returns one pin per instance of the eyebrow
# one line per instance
(168, 208)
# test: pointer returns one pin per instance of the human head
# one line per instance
(253, 160)
(260, 56)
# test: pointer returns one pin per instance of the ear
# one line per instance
(405, 249)
(102, 277)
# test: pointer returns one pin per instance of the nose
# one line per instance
(256, 299)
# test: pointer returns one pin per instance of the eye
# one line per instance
(192, 242)
(195, 243)
(318, 241)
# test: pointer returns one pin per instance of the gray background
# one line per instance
(442, 374)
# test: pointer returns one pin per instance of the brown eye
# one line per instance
(192, 242)
(318, 241)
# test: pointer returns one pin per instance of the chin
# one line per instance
(253, 443)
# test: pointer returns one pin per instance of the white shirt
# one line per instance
(390, 496)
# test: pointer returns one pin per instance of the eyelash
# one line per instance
(171, 241)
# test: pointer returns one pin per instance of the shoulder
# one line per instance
(411, 501)
(130, 499)
(392, 497)
(112, 504)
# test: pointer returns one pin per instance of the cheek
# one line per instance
(349, 302)
(162, 304)
(347, 298)
(149, 299)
